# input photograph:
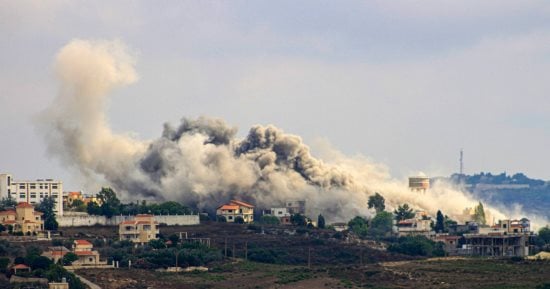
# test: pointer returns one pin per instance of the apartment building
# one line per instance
(32, 192)
(141, 229)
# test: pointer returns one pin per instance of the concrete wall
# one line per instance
(74, 220)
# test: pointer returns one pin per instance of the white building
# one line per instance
(32, 192)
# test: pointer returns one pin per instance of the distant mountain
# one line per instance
(532, 194)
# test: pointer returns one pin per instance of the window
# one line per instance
(22, 186)
(33, 195)
(41, 186)
(54, 186)
(33, 186)
(91, 259)
(230, 217)
(22, 195)
(230, 211)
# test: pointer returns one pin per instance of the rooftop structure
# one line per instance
(234, 209)
(32, 192)
(141, 229)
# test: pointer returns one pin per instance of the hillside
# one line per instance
(502, 189)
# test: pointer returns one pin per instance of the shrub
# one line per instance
(221, 219)
(239, 220)
(269, 220)
(416, 246)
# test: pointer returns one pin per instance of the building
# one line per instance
(59, 285)
(450, 242)
(55, 253)
(32, 192)
(141, 229)
(281, 213)
(23, 219)
(420, 183)
(296, 207)
(70, 197)
(419, 225)
(235, 209)
(86, 254)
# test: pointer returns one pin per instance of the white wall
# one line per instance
(87, 220)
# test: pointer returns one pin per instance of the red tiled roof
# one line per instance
(8, 212)
(240, 203)
(82, 242)
(132, 222)
(21, 266)
(74, 193)
(9, 222)
(84, 253)
(24, 205)
(228, 207)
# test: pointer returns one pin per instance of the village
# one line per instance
(42, 227)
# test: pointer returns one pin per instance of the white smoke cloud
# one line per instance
(201, 161)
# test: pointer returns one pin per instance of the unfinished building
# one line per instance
(497, 245)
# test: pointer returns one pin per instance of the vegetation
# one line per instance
(403, 212)
(69, 258)
(320, 222)
(439, 222)
(359, 226)
(110, 204)
(417, 246)
(479, 214)
(381, 225)
(239, 220)
(377, 202)
(46, 206)
(298, 220)
(269, 220)
(6, 203)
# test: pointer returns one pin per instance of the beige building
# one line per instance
(24, 219)
(55, 253)
(141, 229)
(86, 254)
(32, 192)
(419, 225)
(235, 209)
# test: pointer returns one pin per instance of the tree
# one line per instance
(320, 222)
(403, 212)
(69, 258)
(40, 262)
(93, 209)
(221, 219)
(298, 220)
(110, 204)
(6, 203)
(46, 207)
(479, 214)
(381, 225)
(359, 226)
(2, 228)
(239, 220)
(269, 220)
(439, 222)
(377, 202)
(544, 234)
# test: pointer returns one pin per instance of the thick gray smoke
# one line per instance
(201, 161)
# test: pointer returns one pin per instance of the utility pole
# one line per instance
(226, 248)
(461, 162)
(309, 258)
(246, 250)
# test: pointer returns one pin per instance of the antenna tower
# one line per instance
(461, 162)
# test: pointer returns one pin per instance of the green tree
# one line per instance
(221, 219)
(239, 220)
(544, 234)
(40, 262)
(377, 202)
(320, 222)
(46, 207)
(6, 203)
(69, 258)
(439, 222)
(93, 208)
(298, 220)
(359, 226)
(479, 214)
(4, 262)
(2, 228)
(269, 220)
(403, 212)
(381, 225)
(110, 204)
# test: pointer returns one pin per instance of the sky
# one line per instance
(404, 83)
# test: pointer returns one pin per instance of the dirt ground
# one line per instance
(441, 273)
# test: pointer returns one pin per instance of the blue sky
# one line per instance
(405, 83)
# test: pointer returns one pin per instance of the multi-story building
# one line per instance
(235, 209)
(32, 192)
(86, 254)
(23, 219)
(281, 213)
(296, 206)
(419, 225)
(141, 229)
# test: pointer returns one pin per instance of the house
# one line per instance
(235, 209)
(59, 285)
(450, 242)
(141, 229)
(20, 268)
(296, 207)
(86, 254)
(281, 213)
(55, 253)
(420, 224)
(23, 219)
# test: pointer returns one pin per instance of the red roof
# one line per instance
(24, 205)
(84, 253)
(239, 203)
(228, 207)
(9, 222)
(74, 193)
(83, 242)
(128, 222)
(8, 212)
(21, 266)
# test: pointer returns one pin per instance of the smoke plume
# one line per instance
(200, 161)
